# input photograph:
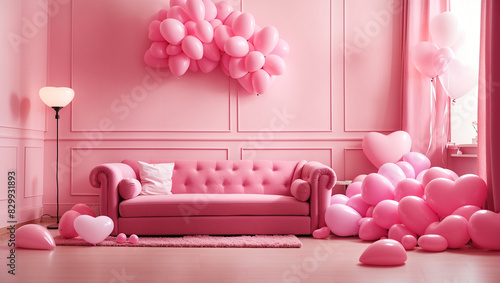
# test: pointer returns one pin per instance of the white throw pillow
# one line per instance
(156, 179)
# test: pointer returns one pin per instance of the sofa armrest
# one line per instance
(107, 177)
(322, 179)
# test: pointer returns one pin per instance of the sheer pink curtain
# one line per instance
(425, 114)
(489, 102)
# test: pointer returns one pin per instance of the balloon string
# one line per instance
(445, 130)
(431, 124)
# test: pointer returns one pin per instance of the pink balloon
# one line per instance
(211, 51)
(93, 230)
(215, 24)
(190, 27)
(353, 189)
(370, 231)
(392, 172)
(342, 220)
(384, 252)
(162, 14)
(433, 243)
(229, 20)
(236, 46)
(266, 40)
(174, 49)
(195, 9)
(254, 61)
(246, 83)
(173, 31)
(321, 233)
(445, 196)
(466, 211)
(407, 169)
(442, 59)
(178, 13)
(237, 67)
(244, 25)
(435, 173)
(193, 65)
(409, 242)
(66, 228)
(179, 64)
(154, 62)
(399, 231)
(358, 204)
(35, 237)
(454, 228)
(180, 3)
(192, 47)
(121, 238)
(380, 149)
(221, 35)
(154, 31)
(408, 187)
(339, 198)
(484, 229)
(423, 55)
(376, 188)
(359, 178)
(445, 29)
(206, 65)
(418, 161)
(261, 81)
(134, 239)
(210, 10)
(282, 48)
(386, 213)
(204, 31)
(274, 65)
(415, 214)
(159, 49)
(224, 9)
(369, 211)
(83, 209)
(464, 76)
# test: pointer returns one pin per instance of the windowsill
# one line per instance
(463, 150)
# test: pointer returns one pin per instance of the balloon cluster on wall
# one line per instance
(437, 57)
(411, 203)
(198, 35)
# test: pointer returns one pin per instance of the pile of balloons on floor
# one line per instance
(408, 203)
(198, 35)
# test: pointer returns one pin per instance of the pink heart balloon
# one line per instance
(415, 214)
(398, 231)
(353, 189)
(418, 161)
(381, 149)
(442, 58)
(370, 231)
(66, 224)
(358, 204)
(484, 229)
(434, 173)
(454, 228)
(359, 178)
(386, 213)
(342, 220)
(465, 77)
(93, 230)
(338, 198)
(392, 172)
(407, 169)
(432, 243)
(375, 188)
(321, 233)
(33, 236)
(384, 252)
(83, 209)
(466, 211)
(445, 196)
(408, 187)
(409, 242)
(423, 55)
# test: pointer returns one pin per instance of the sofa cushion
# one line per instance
(212, 205)
(301, 190)
(156, 179)
(129, 188)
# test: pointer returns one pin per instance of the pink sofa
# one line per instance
(220, 198)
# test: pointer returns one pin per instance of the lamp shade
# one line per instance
(56, 96)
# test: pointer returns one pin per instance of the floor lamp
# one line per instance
(57, 98)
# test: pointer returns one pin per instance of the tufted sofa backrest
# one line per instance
(230, 176)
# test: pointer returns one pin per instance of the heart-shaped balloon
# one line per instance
(375, 188)
(392, 172)
(384, 252)
(418, 161)
(415, 214)
(370, 231)
(353, 189)
(432, 243)
(338, 198)
(445, 196)
(434, 173)
(466, 211)
(342, 220)
(386, 213)
(430, 60)
(409, 242)
(445, 29)
(358, 204)
(407, 169)
(442, 59)
(462, 79)
(408, 187)
(33, 236)
(398, 231)
(321, 233)
(381, 149)
(93, 230)
(484, 229)
(454, 228)
(66, 224)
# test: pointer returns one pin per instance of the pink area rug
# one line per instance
(258, 241)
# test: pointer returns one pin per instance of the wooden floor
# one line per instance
(330, 260)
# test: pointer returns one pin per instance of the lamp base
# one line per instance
(53, 226)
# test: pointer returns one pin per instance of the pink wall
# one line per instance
(342, 81)
(22, 114)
